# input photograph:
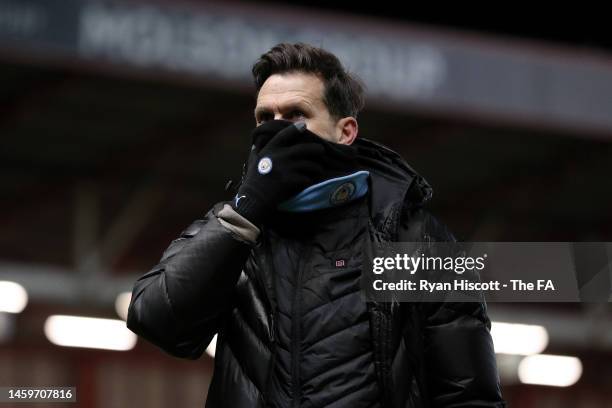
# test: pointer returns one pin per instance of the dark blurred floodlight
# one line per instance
(122, 304)
(13, 297)
(89, 332)
(546, 369)
(520, 339)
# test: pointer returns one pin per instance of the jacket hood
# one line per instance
(393, 183)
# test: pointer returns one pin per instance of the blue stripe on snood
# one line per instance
(329, 193)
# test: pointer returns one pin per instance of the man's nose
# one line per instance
(278, 116)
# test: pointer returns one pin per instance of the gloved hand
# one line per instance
(282, 162)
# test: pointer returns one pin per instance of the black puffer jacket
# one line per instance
(293, 328)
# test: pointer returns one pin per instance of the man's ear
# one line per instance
(346, 130)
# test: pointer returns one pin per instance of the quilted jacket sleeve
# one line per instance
(178, 305)
(458, 356)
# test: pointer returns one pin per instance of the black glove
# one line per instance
(284, 160)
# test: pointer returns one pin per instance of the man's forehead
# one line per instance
(290, 89)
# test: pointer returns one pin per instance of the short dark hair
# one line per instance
(344, 92)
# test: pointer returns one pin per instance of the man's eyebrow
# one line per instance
(287, 108)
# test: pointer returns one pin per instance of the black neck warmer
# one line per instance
(338, 160)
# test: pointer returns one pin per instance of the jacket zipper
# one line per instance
(379, 319)
(272, 315)
(296, 332)
(260, 279)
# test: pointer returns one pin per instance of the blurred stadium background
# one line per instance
(122, 121)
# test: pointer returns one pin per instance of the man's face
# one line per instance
(298, 96)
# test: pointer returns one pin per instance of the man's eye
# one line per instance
(297, 113)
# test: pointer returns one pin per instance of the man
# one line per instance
(276, 270)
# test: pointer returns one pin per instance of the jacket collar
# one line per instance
(394, 185)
